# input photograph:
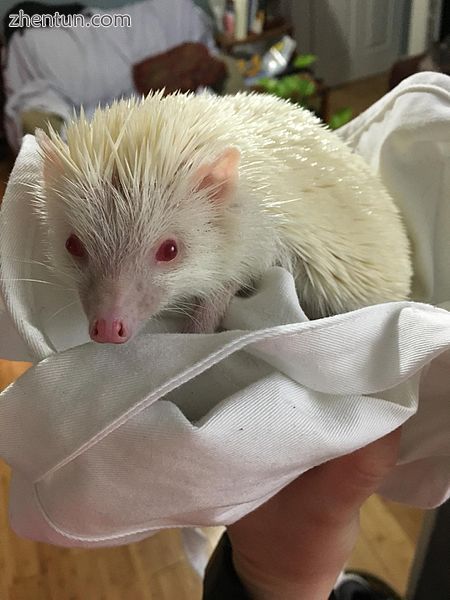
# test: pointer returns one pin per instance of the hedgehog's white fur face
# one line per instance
(135, 240)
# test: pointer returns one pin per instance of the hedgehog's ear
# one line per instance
(52, 163)
(220, 176)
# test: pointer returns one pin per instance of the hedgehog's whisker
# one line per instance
(59, 311)
(9, 280)
(178, 310)
(42, 264)
(186, 304)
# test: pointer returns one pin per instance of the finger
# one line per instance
(343, 484)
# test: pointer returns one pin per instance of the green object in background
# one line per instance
(340, 117)
(304, 60)
(304, 87)
(291, 87)
(300, 87)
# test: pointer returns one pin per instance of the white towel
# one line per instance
(109, 444)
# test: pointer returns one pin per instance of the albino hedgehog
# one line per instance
(164, 201)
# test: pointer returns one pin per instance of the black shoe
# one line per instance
(358, 585)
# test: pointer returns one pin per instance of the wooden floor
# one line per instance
(156, 569)
(359, 95)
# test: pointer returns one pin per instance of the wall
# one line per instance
(418, 27)
(352, 39)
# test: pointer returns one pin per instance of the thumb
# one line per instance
(354, 477)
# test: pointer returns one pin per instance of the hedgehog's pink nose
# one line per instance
(109, 331)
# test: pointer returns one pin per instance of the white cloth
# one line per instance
(108, 444)
(57, 70)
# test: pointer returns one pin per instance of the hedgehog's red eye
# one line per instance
(167, 251)
(75, 247)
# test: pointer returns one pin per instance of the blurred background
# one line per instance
(335, 57)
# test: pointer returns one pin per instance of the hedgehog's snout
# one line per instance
(117, 307)
(110, 330)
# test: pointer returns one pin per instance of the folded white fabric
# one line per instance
(109, 444)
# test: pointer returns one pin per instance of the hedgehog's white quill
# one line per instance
(182, 199)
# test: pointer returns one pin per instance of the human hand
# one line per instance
(295, 545)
